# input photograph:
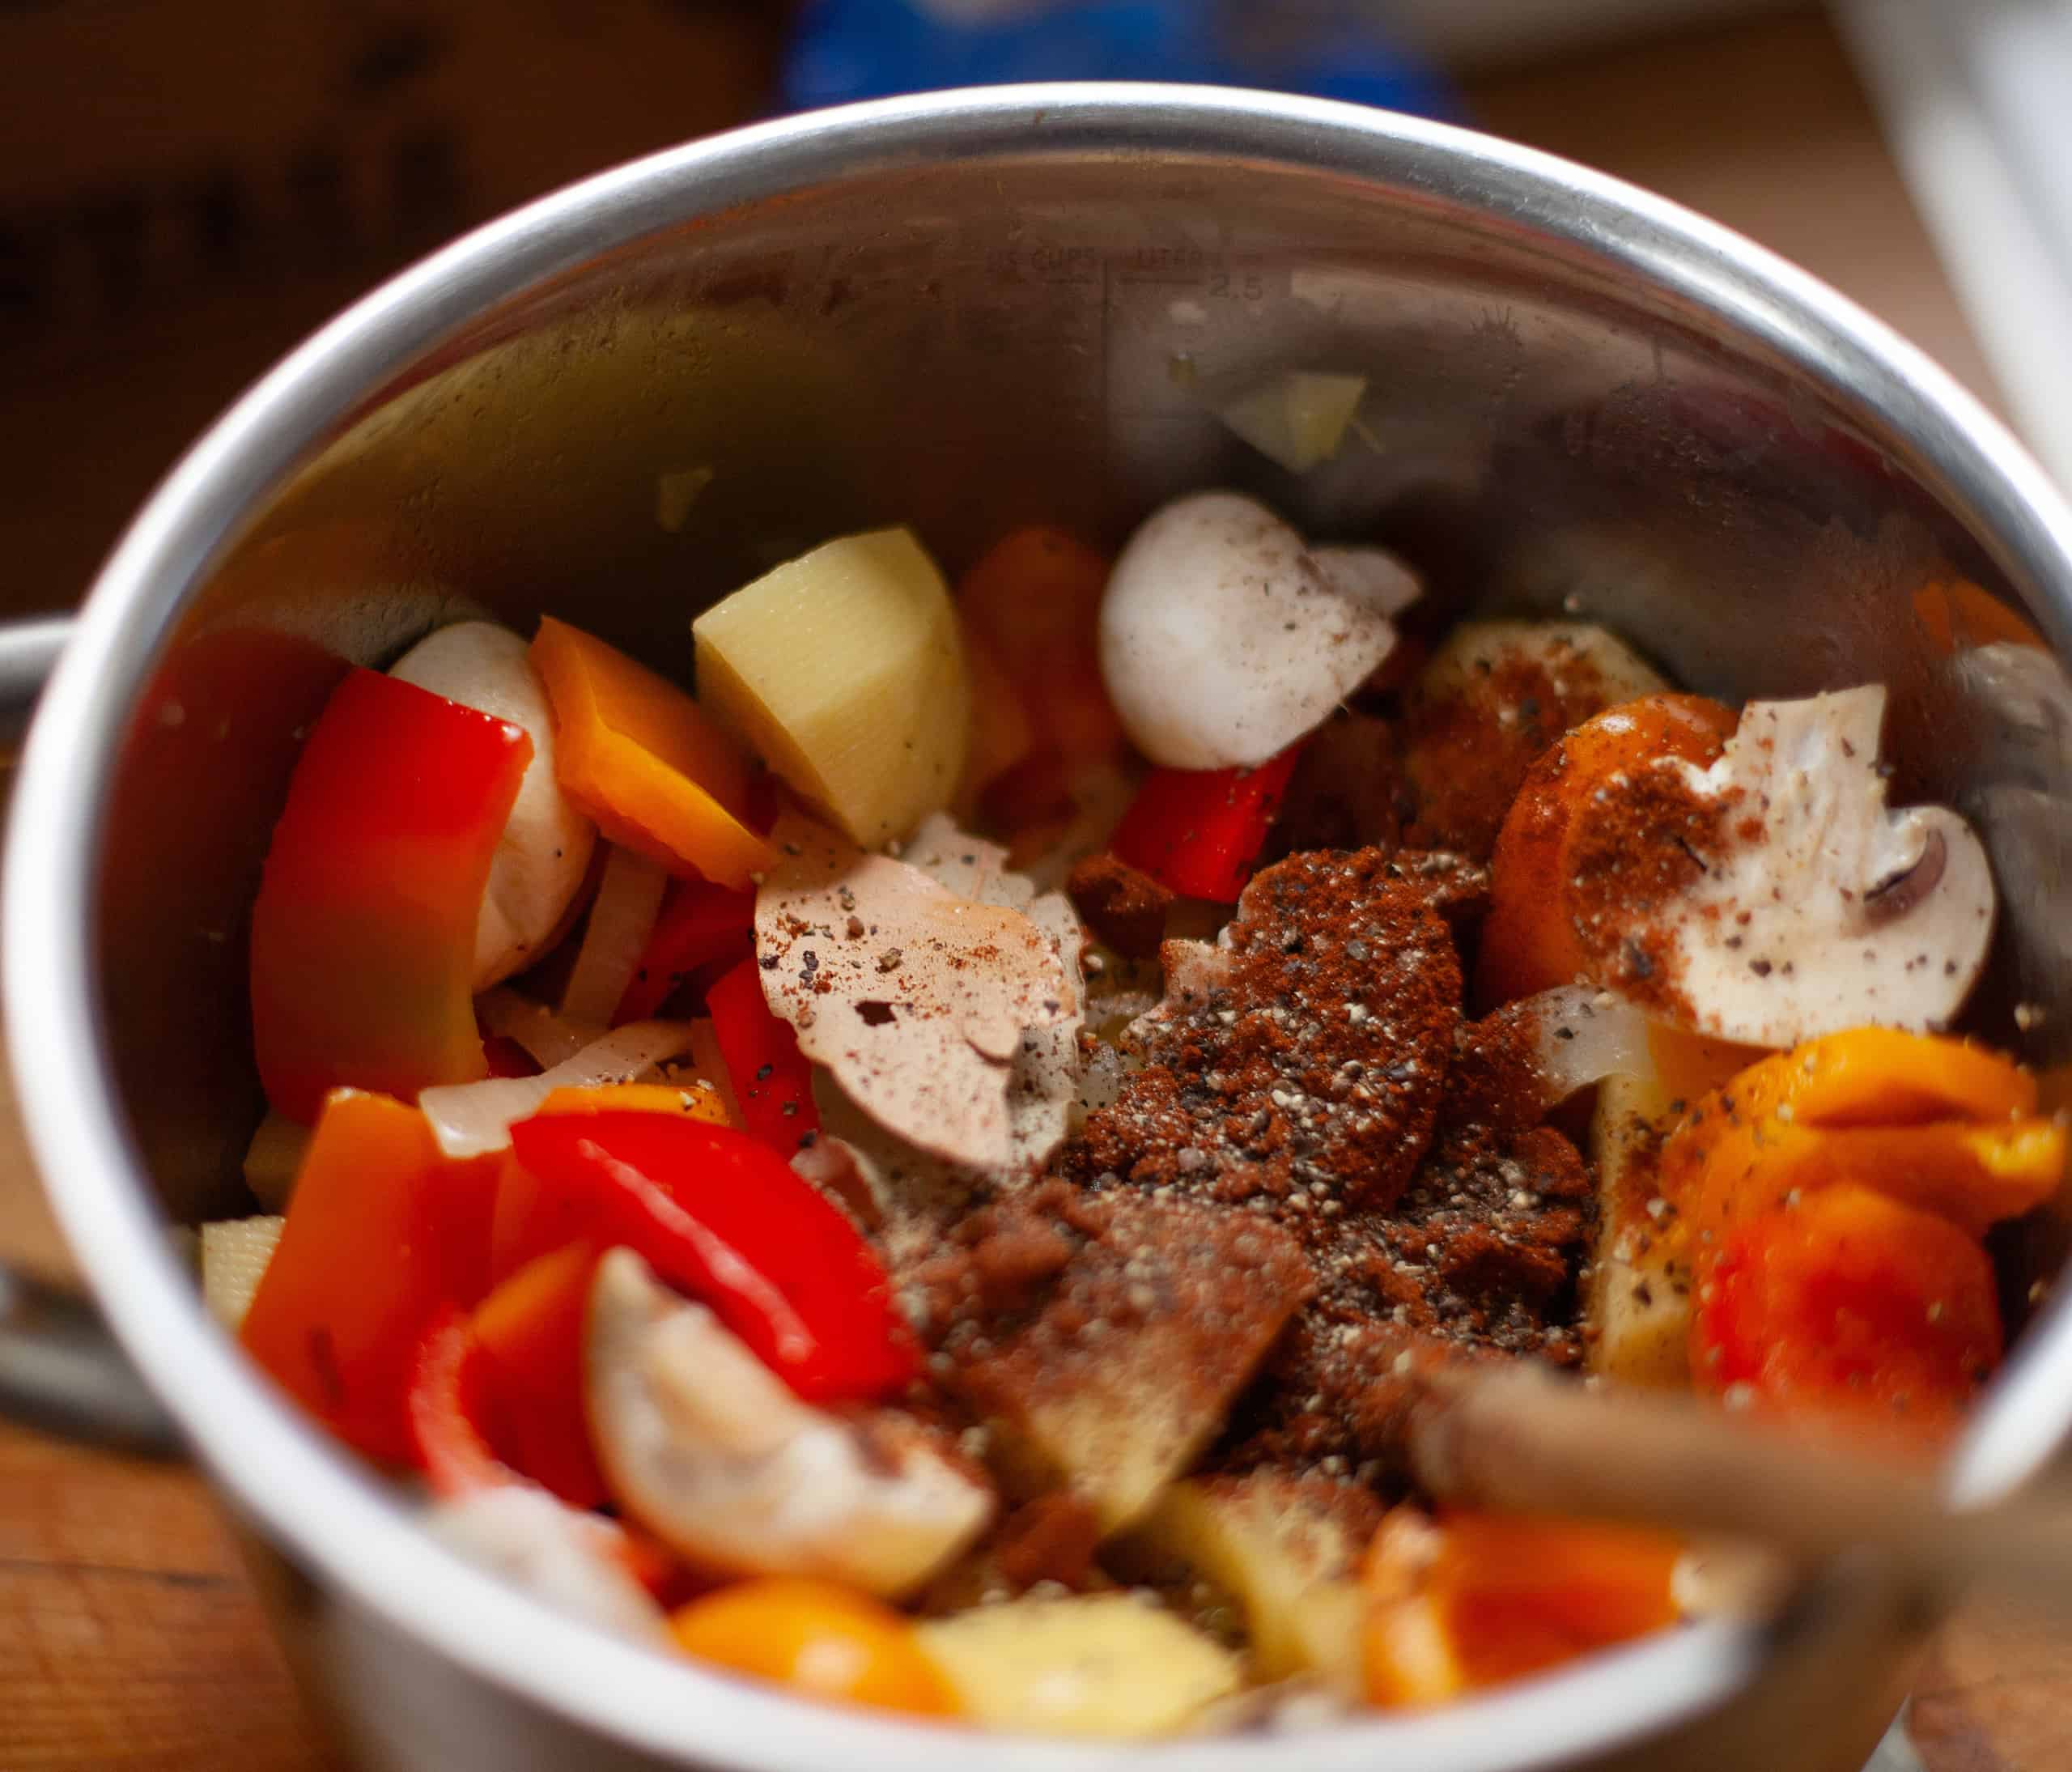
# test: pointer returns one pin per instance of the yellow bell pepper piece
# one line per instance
(694, 1099)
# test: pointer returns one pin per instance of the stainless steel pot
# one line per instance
(959, 311)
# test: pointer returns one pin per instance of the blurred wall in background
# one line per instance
(187, 187)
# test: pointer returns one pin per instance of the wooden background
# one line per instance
(129, 1638)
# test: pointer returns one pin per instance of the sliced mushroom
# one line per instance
(1043, 1074)
(1772, 897)
(1222, 641)
(707, 1448)
(545, 852)
(919, 999)
(907, 1195)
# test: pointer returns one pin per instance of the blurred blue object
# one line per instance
(845, 50)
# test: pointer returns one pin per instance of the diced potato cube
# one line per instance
(1286, 1551)
(844, 670)
(235, 1252)
(1109, 1666)
(1112, 1385)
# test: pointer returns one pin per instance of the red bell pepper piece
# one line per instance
(532, 1221)
(530, 1332)
(1853, 1307)
(452, 1419)
(699, 923)
(445, 1408)
(772, 1079)
(724, 1219)
(364, 935)
(384, 1229)
(1198, 831)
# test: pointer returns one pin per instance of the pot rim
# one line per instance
(345, 1527)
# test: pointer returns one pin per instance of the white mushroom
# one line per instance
(545, 852)
(916, 998)
(706, 1448)
(1578, 662)
(552, 1552)
(1222, 641)
(1043, 1075)
(1490, 701)
(1777, 897)
(1374, 575)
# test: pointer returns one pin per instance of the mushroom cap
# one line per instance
(1372, 576)
(919, 999)
(545, 852)
(1772, 897)
(1221, 640)
(707, 1448)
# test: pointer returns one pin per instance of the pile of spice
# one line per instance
(1352, 1175)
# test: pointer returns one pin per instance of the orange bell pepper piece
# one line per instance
(1003, 734)
(1881, 1077)
(530, 1332)
(1474, 1599)
(1529, 940)
(1957, 616)
(695, 1100)
(822, 1640)
(1974, 1175)
(1852, 1306)
(364, 933)
(1941, 1123)
(640, 757)
(1033, 600)
(384, 1229)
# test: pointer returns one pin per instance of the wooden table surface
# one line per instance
(129, 1636)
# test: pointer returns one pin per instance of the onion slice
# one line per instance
(1582, 1036)
(621, 918)
(549, 1038)
(469, 1119)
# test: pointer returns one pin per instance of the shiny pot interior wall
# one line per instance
(1048, 336)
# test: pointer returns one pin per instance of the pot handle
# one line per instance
(59, 1367)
